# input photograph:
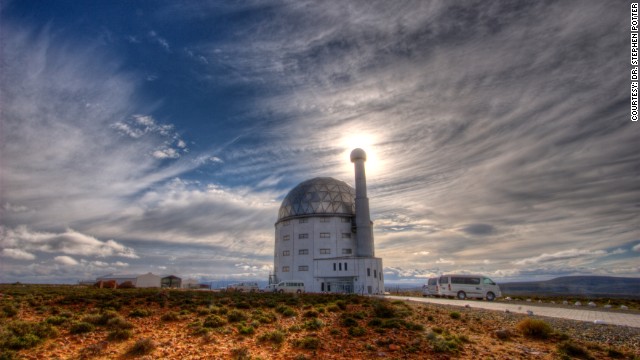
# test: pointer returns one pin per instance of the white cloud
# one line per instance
(421, 253)
(69, 242)
(166, 153)
(444, 261)
(17, 254)
(561, 256)
(65, 260)
(636, 247)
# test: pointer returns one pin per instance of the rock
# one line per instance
(565, 302)
(607, 306)
(578, 303)
(508, 298)
(622, 307)
(528, 300)
(599, 322)
(394, 347)
(529, 312)
(507, 311)
(467, 305)
(592, 304)
(553, 302)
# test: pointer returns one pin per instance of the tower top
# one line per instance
(358, 154)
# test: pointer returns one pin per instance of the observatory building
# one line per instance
(324, 236)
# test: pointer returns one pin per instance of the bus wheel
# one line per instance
(461, 295)
(491, 296)
(281, 291)
(299, 291)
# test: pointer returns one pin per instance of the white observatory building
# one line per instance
(324, 236)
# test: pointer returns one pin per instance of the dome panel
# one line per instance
(321, 195)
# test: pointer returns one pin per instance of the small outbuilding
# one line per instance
(147, 280)
(171, 281)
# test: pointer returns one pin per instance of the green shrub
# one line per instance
(348, 321)
(276, 337)
(9, 310)
(244, 329)
(81, 328)
(56, 320)
(213, 321)
(241, 353)
(357, 331)
(170, 316)
(313, 324)
(534, 328)
(384, 310)
(286, 311)
(142, 347)
(139, 313)
(236, 315)
(310, 314)
(308, 342)
(23, 342)
(120, 334)
(119, 323)
(573, 350)
(454, 315)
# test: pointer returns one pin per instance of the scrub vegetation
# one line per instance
(38, 321)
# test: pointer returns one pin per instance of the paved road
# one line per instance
(606, 317)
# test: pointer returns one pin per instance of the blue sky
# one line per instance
(162, 136)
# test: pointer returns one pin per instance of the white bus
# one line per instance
(431, 288)
(243, 287)
(468, 286)
(290, 286)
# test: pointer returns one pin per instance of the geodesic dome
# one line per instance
(319, 196)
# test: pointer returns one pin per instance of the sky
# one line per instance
(162, 136)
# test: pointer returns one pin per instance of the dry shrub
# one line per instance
(535, 328)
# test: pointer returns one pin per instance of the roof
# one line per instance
(318, 196)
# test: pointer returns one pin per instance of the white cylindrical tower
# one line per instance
(364, 226)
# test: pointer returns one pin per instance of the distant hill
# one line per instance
(594, 286)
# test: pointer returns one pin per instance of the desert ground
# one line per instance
(73, 322)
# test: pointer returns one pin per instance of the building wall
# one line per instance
(325, 245)
(148, 280)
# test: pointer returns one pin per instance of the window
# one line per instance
(346, 251)
(303, 252)
(345, 220)
(303, 221)
(375, 273)
(285, 237)
(334, 266)
(285, 269)
(368, 271)
(325, 219)
(303, 268)
(346, 235)
(340, 266)
(345, 266)
(325, 236)
(325, 251)
(488, 281)
(303, 236)
(286, 253)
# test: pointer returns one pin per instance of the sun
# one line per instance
(366, 142)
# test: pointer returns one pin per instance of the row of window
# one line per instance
(300, 268)
(322, 220)
(323, 235)
(322, 251)
(336, 267)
